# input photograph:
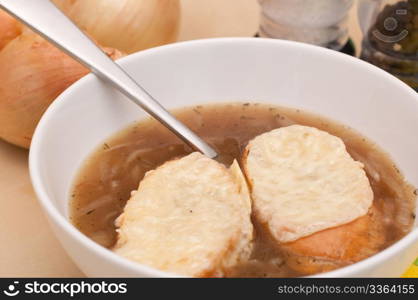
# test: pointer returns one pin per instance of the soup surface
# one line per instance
(108, 175)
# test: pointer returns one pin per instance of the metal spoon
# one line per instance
(46, 19)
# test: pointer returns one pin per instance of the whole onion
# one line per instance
(32, 74)
(127, 25)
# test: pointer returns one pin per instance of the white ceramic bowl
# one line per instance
(183, 74)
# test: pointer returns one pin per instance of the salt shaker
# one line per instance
(318, 22)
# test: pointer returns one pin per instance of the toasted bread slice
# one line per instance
(190, 216)
(303, 181)
(338, 246)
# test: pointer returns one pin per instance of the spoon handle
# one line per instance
(46, 19)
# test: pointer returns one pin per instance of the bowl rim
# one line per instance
(137, 268)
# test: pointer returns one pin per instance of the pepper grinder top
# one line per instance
(390, 40)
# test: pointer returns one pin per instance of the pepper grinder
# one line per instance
(390, 40)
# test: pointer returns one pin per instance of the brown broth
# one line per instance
(107, 177)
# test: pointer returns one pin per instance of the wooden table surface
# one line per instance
(28, 246)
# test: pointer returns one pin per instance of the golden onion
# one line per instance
(127, 25)
(32, 74)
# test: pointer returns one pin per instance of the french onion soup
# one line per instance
(290, 194)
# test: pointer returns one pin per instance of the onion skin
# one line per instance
(10, 28)
(127, 25)
(32, 74)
